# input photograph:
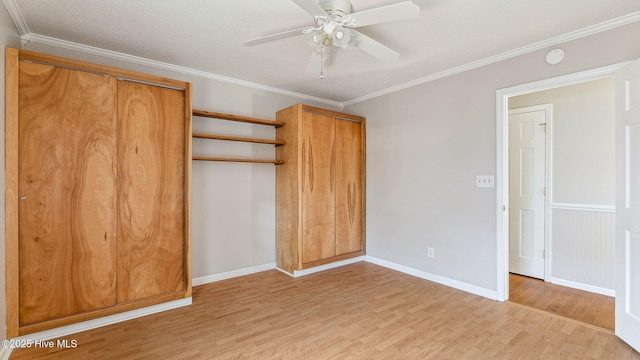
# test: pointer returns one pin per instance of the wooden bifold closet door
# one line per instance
(318, 187)
(67, 176)
(349, 194)
(150, 191)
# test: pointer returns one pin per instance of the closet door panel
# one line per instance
(348, 187)
(66, 183)
(151, 174)
(318, 187)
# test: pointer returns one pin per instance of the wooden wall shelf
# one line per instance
(244, 119)
(238, 138)
(259, 161)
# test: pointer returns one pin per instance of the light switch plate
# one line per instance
(485, 181)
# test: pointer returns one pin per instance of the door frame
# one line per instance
(502, 160)
(548, 108)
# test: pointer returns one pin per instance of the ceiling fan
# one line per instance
(335, 24)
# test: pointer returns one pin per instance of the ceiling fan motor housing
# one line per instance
(336, 8)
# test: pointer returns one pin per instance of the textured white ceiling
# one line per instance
(207, 35)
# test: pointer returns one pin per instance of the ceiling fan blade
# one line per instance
(315, 63)
(383, 14)
(274, 37)
(373, 47)
(311, 7)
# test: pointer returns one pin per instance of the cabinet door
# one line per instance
(318, 187)
(66, 183)
(151, 177)
(348, 186)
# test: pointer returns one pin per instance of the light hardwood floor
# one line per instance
(590, 308)
(360, 311)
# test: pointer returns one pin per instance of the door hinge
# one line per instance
(544, 253)
(544, 127)
(544, 191)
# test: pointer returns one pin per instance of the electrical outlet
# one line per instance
(431, 252)
(485, 181)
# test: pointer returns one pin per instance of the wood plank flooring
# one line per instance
(359, 311)
(590, 308)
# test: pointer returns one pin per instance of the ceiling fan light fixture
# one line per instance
(341, 37)
(315, 40)
(329, 27)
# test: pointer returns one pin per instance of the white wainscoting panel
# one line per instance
(583, 245)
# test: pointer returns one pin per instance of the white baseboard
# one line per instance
(100, 322)
(584, 287)
(232, 274)
(315, 269)
(284, 272)
(490, 294)
(5, 353)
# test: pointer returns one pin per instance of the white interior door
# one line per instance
(628, 204)
(527, 173)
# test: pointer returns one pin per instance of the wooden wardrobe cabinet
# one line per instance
(320, 189)
(98, 172)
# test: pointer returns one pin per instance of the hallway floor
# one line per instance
(583, 306)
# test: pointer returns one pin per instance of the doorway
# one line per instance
(502, 178)
(532, 209)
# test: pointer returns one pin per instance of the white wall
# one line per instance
(8, 37)
(583, 174)
(426, 144)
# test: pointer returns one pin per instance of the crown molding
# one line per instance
(27, 37)
(574, 35)
(46, 40)
(16, 16)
